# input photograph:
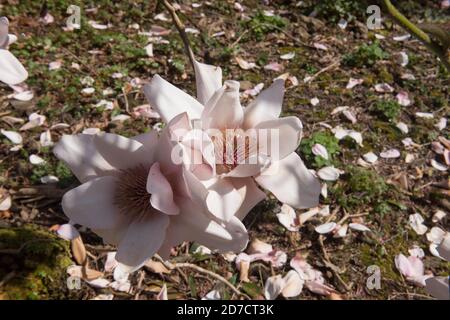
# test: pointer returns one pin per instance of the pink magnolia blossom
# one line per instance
(232, 174)
(312, 278)
(135, 197)
(11, 70)
(412, 269)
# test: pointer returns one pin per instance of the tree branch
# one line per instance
(181, 31)
(417, 32)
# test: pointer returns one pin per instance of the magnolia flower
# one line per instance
(135, 197)
(224, 139)
(11, 70)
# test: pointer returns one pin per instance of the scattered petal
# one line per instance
(353, 83)
(435, 235)
(416, 222)
(49, 179)
(402, 59)
(36, 160)
(244, 64)
(329, 173)
(403, 127)
(314, 101)
(426, 115)
(273, 66)
(288, 56)
(320, 150)
(403, 99)
(383, 88)
(13, 136)
(358, 227)
(438, 166)
(288, 218)
(442, 124)
(390, 154)
(326, 227)
(370, 157)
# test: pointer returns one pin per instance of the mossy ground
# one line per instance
(39, 266)
(36, 259)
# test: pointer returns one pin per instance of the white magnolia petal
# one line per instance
(320, 150)
(11, 70)
(293, 284)
(213, 294)
(5, 203)
(120, 152)
(142, 240)
(223, 110)
(444, 247)
(36, 160)
(326, 227)
(273, 287)
(208, 79)
(68, 232)
(329, 173)
(251, 194)
(403, 127)
(358, 227)
(161, 191)
(92, 203)
(258, 246)
(291, 182)
(13, 136)
(416, 222)
(435, 235)
(266, 106)
(390, 154)
(283, 136)
(288, 218)
(111, 263)
(193, 224)
(81, 155)
(169, 101)
(370, 157)
(223, 200)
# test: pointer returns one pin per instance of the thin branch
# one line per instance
(417, 32)
(180, 27)
(172, 266)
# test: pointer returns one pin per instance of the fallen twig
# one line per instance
(172, 266)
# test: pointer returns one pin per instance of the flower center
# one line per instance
(231, 148)
(131, 196)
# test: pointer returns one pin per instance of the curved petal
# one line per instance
(92, 204)
(252, 167)
(224, 110)
(208, 79)
(161, 191)
(293, 284)
(11, 70)
(251, 194)
(198, 154)
(283, 137)
(167, 147)
(142, 240)
(169, 101)
(223, 200)
(194, 224)
(266, 106)
(120, 152)
(149, 142)
(81, 155)
(291, 182)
